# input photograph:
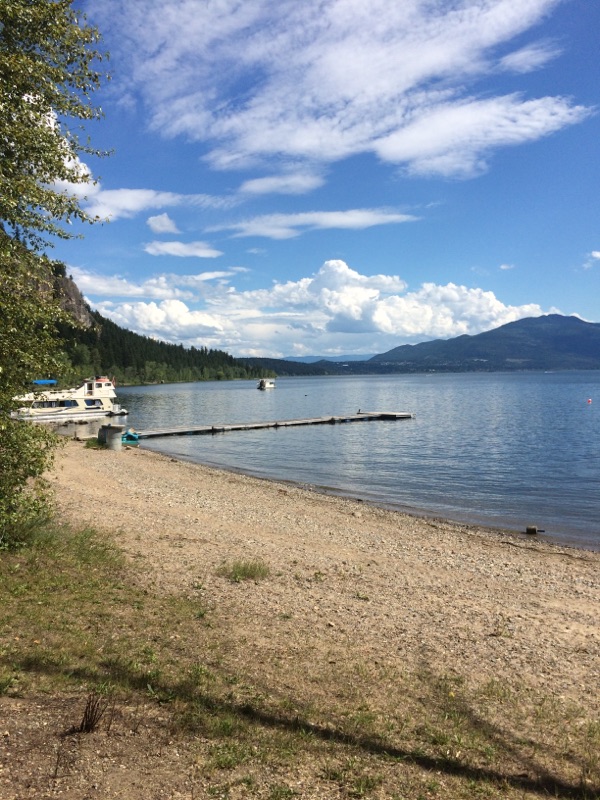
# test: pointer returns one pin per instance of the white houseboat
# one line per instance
(94, 398)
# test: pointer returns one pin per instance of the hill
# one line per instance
(95, 345)
(336, 359)
(283, 368)
(534, 343)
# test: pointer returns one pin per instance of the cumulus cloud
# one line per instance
(162, 223)
(335, 310)
(324, 80)
(172, 315)
(182, 249)
(286, 226)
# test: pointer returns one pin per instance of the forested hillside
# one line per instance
(105, 348)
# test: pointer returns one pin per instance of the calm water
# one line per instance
(501, 449)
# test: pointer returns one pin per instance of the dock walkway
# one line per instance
(198, 430)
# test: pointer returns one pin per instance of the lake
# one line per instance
(505, 450)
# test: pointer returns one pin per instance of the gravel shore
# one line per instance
(348, 580)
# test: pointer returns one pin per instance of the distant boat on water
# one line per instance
(265, 383)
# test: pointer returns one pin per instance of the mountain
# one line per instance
(534, 343)
(551, 342)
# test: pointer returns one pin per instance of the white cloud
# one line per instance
(182, 249)
(323, 80)
(530, 58)
(169, 315)
(592, 259)
(286, 226)
(455, 138)
(162, 223)
(282, 184)
(125, 203)
(163, 287)
(335, 310)
(506, 267)
(96, 285)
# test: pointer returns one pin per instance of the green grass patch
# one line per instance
(238, 571)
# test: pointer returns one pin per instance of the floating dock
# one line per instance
(199, 430)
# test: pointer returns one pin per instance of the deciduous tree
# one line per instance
(48, 70)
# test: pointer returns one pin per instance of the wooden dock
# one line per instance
(199, 430)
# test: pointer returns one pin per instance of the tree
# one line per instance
(47, 74)
(46, 78)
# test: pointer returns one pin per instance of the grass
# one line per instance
(238, 571)
(80, 628)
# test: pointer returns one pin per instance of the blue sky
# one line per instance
(342, 176)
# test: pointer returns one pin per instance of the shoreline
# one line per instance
(463, 520)
(349, 580)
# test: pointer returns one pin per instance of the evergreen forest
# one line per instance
(105, 348)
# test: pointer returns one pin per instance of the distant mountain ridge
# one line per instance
(337, 359)
(551, 342)
(534, 343)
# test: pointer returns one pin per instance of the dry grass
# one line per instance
(79, 624)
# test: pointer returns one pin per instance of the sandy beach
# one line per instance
(347, 579)
(383, 655)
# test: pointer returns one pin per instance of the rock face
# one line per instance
(73, 301)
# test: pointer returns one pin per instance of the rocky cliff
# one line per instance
(73, 302)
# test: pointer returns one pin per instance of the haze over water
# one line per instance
(500, 449)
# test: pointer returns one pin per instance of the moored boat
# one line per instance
(96, 397)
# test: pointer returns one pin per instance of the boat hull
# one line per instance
(67, 414)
